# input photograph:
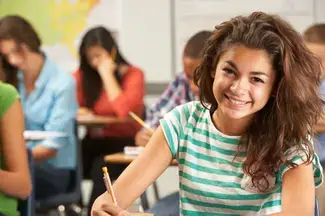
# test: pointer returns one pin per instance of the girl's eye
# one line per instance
(229, 71)
(256, 79)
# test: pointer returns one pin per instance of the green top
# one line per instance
(8, 95)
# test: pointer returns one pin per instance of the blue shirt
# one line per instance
(320, 146)
(52, 106)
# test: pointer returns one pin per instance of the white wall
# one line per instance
(146, 37)
(319, 9)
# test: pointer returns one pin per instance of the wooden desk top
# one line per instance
(93, 120)
(122, 158)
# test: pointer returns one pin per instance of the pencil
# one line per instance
(141, 122)
(113, 54)
(108, 185)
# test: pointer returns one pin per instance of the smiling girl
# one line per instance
(246, 147)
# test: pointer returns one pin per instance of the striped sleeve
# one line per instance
(299, 157)
(173, 125)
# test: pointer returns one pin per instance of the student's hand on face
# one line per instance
(83, 111)
(110, 209)
(143, 137)
(106, 67)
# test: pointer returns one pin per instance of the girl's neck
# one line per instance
(228, 126)
(33, 68)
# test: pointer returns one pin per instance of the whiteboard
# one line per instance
(191, 16)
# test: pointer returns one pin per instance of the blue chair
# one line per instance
(27, 207)
(73, 196)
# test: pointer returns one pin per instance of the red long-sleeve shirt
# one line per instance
(131, 99)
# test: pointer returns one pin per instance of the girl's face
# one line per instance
(243, 82)
(13, 53)
(95, 55)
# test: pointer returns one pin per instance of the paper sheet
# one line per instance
(41, 135)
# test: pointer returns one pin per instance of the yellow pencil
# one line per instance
(141, 122)
(113, 54)
(108, 185)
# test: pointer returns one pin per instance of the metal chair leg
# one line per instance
(144, 200)
(156, 191)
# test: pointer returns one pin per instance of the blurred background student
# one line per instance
(180, 91)
(314, 37)
(15, 182)
(107, 85)
(49, 102)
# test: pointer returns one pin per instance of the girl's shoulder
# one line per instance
(8, 94)
(193, 109)
(7, 90)
(132, 71)
(195, 106)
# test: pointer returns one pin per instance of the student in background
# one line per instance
(314, 37)
(49, 102)
(107, 85)
(180, 91)
(15, 181)
(241, 149)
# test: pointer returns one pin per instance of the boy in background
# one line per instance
(179, 91)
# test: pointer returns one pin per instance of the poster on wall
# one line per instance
(62, 23)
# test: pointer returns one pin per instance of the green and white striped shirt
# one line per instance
(211, 181)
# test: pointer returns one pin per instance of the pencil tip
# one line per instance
(104, 169)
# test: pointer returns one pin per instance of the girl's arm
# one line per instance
(140, 174)
(15, 180)
(61, 118)
(298, 192)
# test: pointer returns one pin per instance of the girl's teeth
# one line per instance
(237, 102)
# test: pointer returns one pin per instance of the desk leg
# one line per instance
(144, 201)
(155, 188)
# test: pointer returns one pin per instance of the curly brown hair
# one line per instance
(288, 119)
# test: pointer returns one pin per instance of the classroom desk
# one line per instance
(93, 120)
(125, 159)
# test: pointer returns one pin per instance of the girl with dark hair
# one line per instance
(246, 147)
(107, 85)
(49, 102)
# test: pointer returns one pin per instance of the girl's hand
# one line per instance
(106, 67)
(84, 111)
(110, 209)
(143, 137)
